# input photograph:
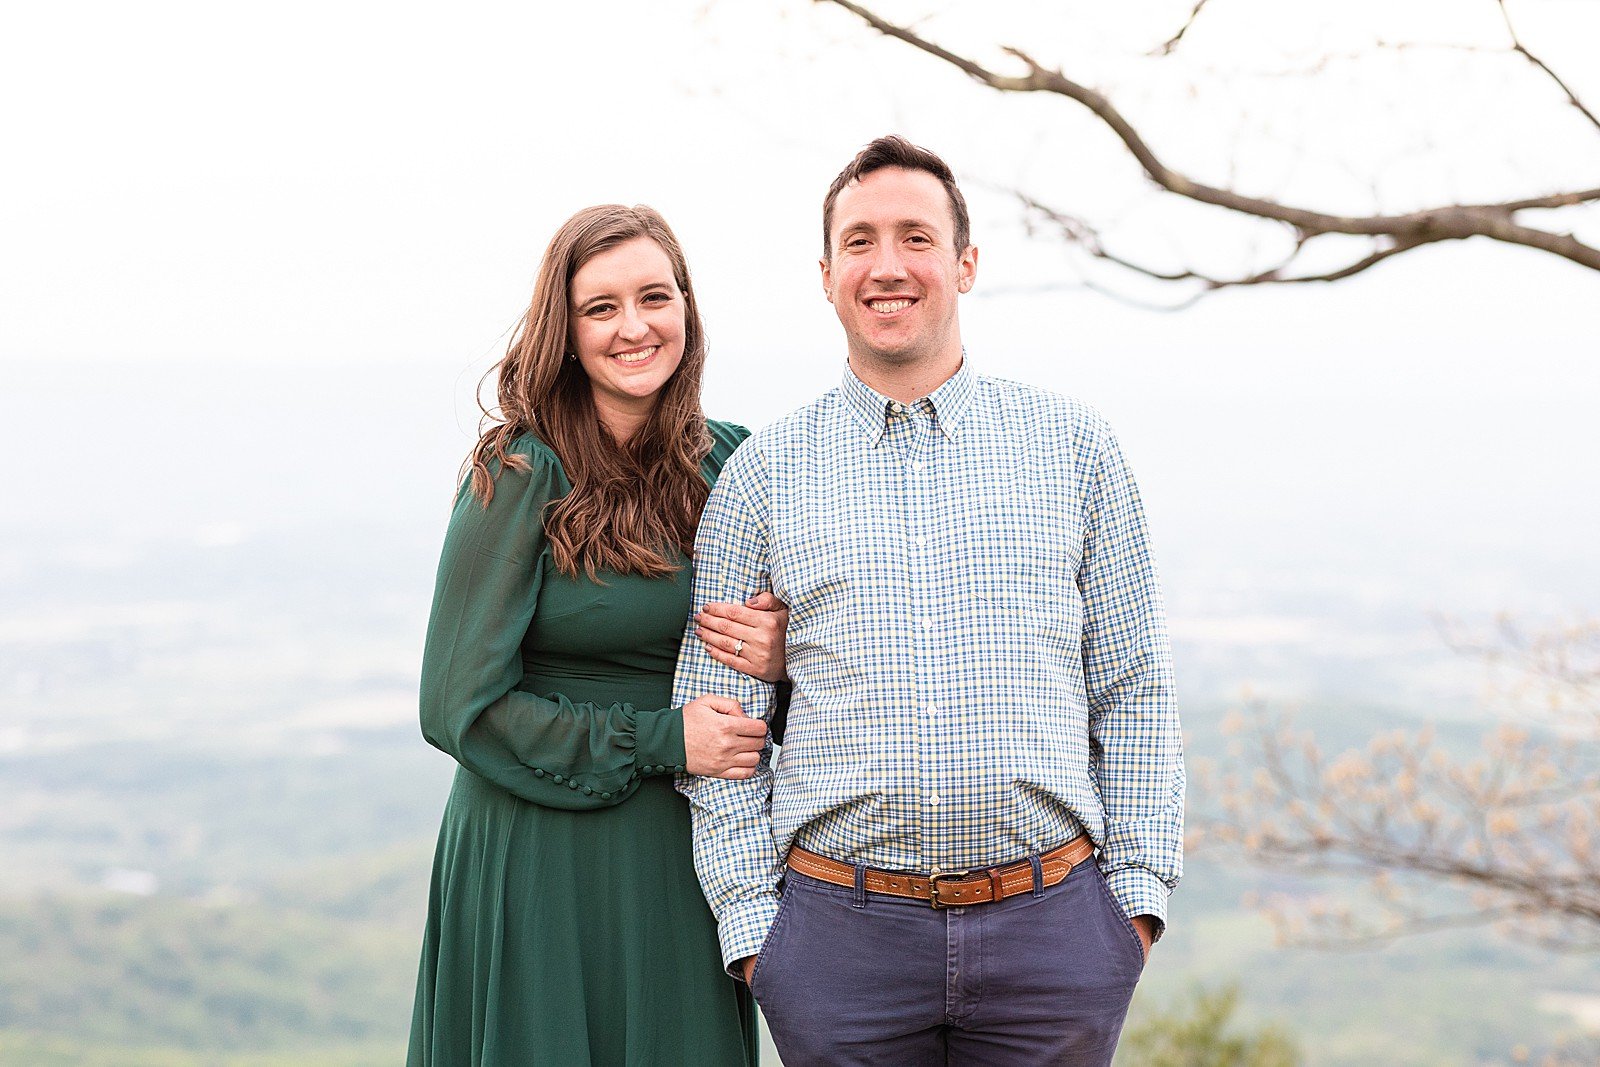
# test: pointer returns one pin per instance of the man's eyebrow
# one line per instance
(903, 224)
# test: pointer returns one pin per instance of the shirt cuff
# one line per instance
(743, 930)
(1139, 892)
(658, 741)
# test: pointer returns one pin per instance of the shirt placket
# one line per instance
(891, 463)
(928, 623)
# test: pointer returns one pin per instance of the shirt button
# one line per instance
(922, 542)
(934, 799)
(927, 625)
(919, 466)
(930, 710)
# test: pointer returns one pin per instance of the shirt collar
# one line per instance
(871, 408)
(953, 399)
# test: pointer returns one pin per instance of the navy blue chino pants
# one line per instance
(848, 977)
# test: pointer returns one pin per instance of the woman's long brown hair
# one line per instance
(631, 504)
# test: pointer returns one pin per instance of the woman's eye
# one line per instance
(656, 298)
(598, 309)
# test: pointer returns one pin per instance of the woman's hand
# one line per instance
(747, 637)
(720, 740)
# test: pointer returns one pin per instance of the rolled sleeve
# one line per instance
(1133, 712)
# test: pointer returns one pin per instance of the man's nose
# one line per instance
(887, 264)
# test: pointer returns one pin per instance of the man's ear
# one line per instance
(967, 269)
(827, 279)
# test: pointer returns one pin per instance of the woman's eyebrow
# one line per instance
(662, 283)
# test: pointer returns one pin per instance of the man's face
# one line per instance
(895, 273)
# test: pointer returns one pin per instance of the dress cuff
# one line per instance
(1140, 892)
(658, 741)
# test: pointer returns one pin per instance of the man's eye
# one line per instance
(917, 238)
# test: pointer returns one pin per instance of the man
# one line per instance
(976, 812)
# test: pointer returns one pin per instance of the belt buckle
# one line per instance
(933, 886)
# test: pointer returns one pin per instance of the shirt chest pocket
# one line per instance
(1023, 545)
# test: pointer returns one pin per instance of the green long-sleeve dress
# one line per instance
(565, 922)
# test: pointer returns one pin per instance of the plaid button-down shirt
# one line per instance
(977, 641)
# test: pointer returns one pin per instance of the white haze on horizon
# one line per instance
(256, 261)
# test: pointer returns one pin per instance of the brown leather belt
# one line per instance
(950, 889)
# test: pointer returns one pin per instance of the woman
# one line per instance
(565, 922)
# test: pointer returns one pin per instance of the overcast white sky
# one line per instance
(321, 194)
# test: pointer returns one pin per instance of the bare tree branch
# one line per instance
(1522, 50)
(1076, 231)
(1397, 930)
(1391, 234)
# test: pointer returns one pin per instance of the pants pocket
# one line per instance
(1121, 917)
(764, 953)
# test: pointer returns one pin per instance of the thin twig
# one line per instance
(1518, 47)
(1170, 45)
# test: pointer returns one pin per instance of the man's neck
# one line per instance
(906, 382)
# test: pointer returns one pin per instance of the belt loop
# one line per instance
(1038, 875)
(859, 900)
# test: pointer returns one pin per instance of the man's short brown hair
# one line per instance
(895, 151)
